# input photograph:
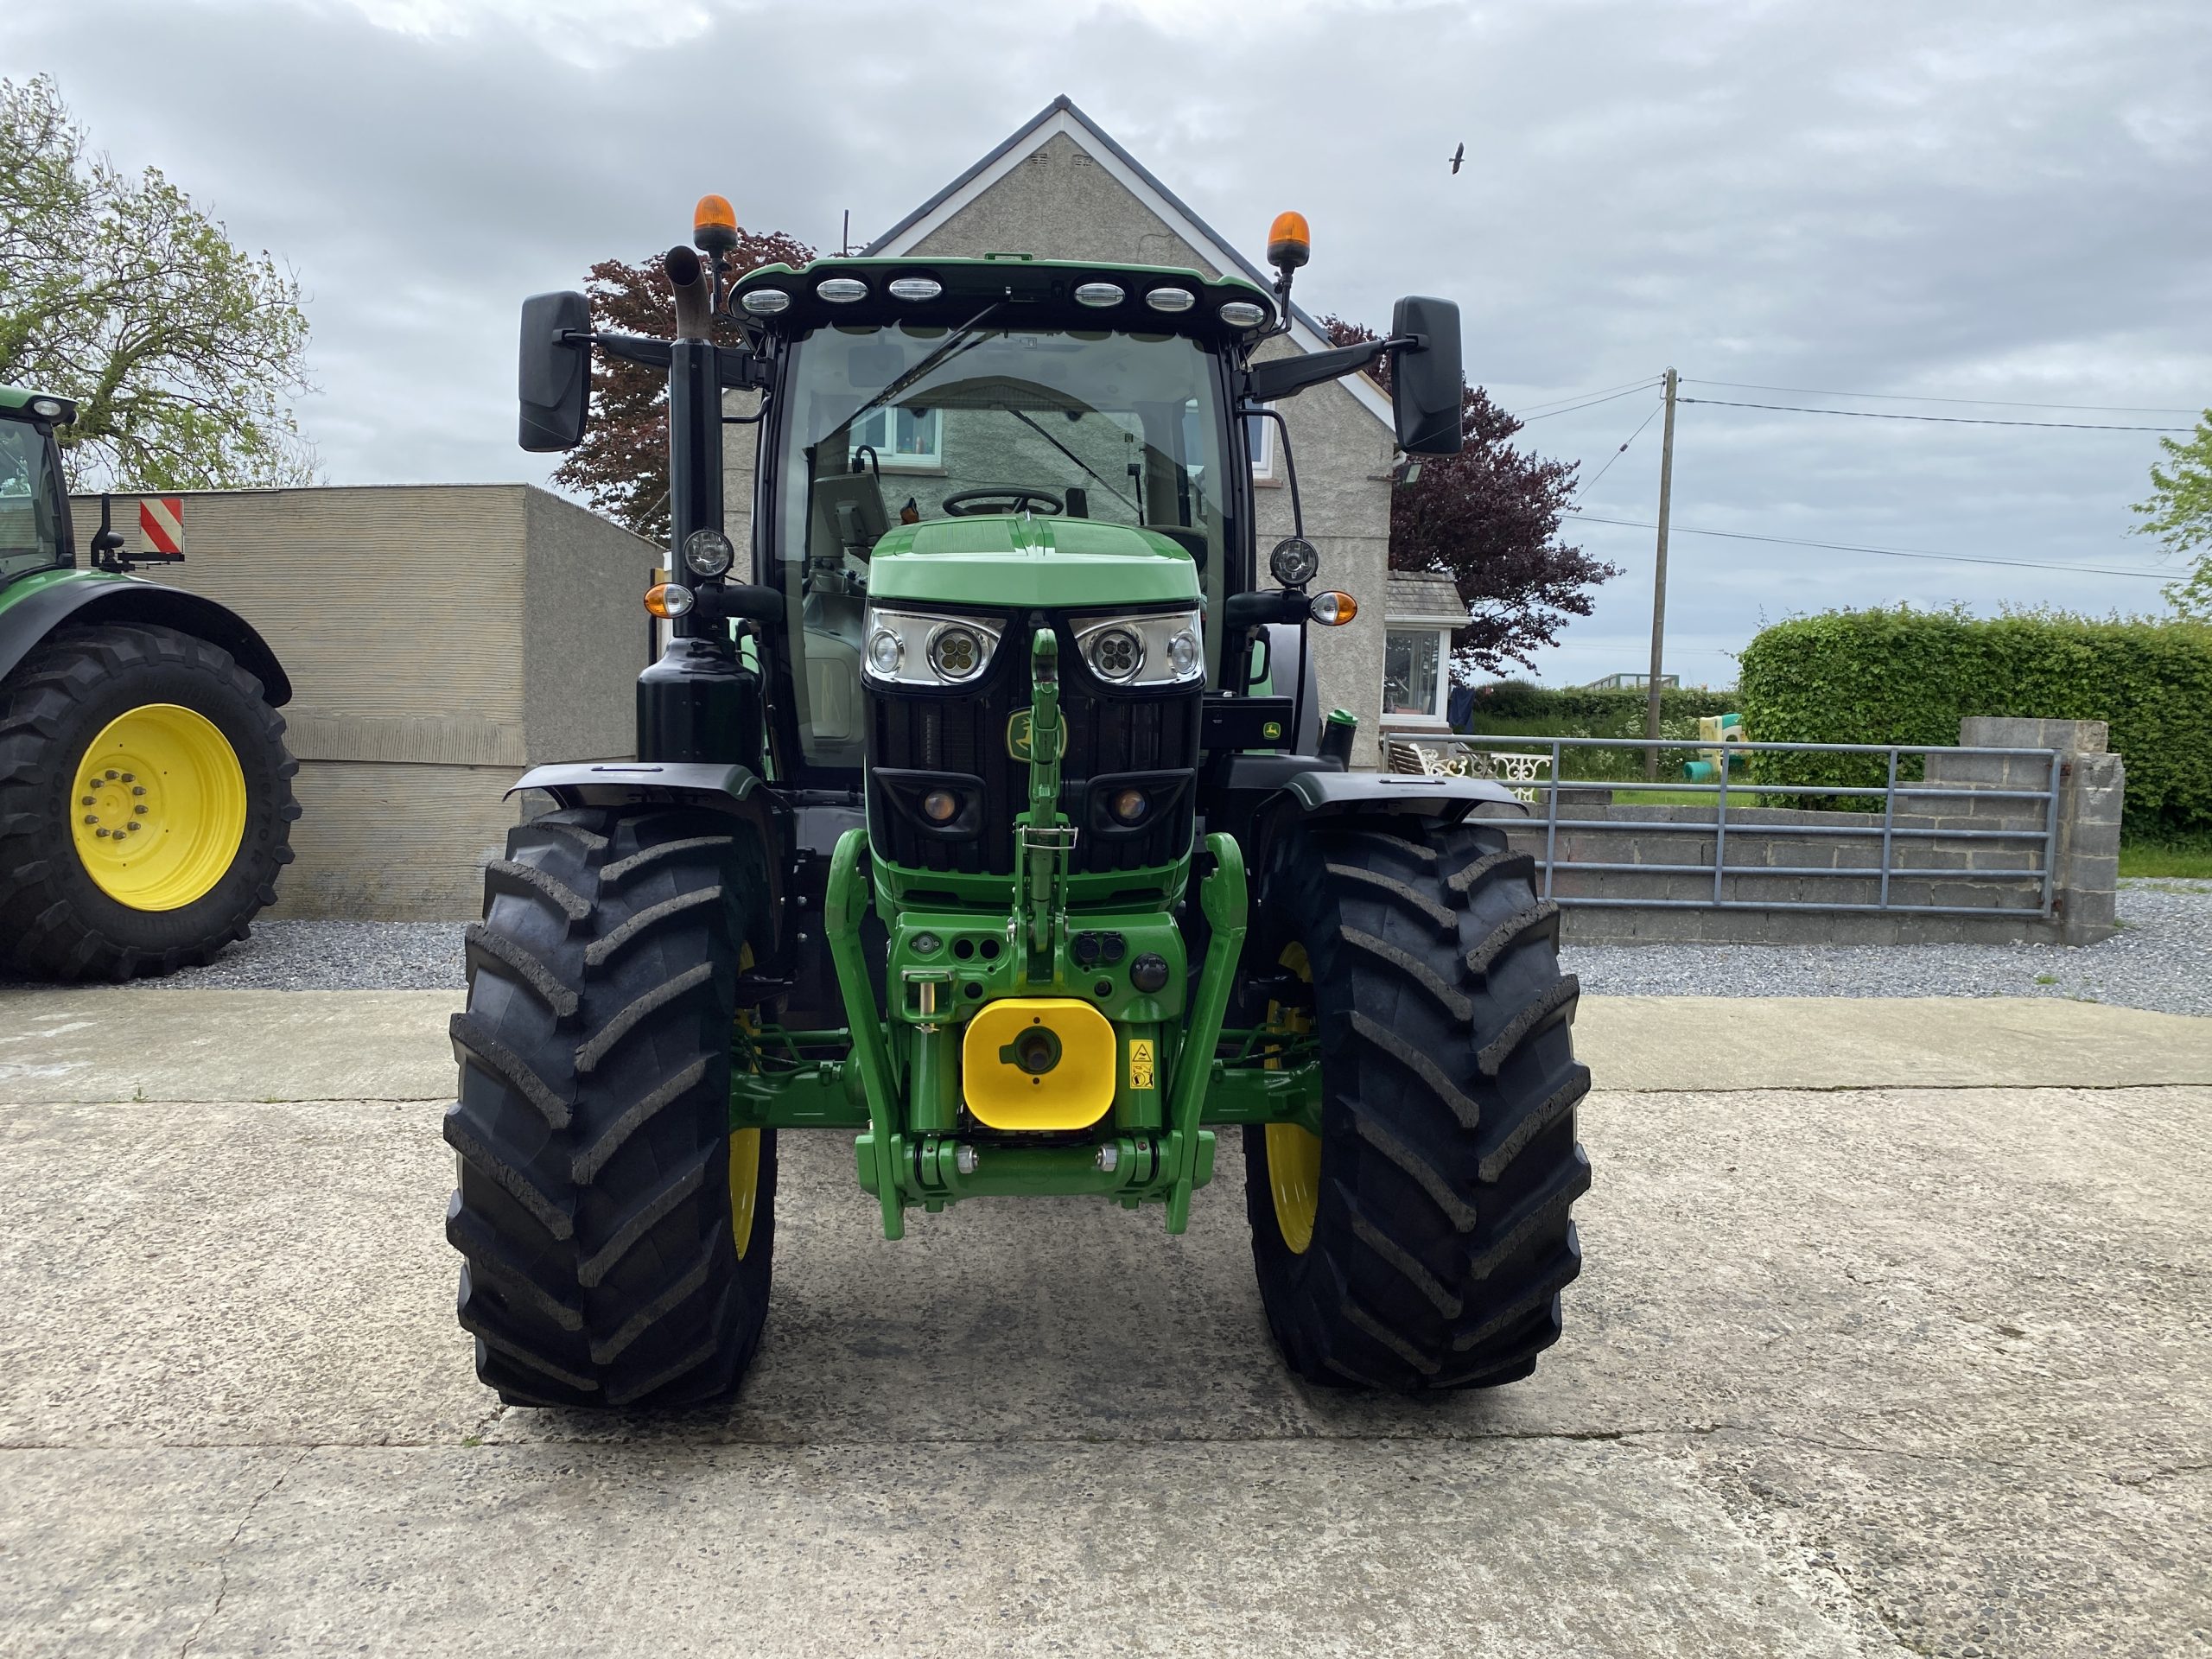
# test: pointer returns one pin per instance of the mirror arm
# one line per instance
(631, 348)
(1286, 376)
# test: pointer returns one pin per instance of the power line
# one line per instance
(1887, 552)
(1577, 396)
(1581, 489)
(1986, 403)
(1941, 420)
(1630, 391)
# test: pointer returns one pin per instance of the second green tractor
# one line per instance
(984, 813)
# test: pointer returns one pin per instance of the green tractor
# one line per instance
(145, 794)
(993, 823)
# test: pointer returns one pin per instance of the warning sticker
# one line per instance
(1140, 1063)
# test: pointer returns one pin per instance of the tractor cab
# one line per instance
(984, 434)
(34, 532)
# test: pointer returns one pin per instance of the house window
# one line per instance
(1260, 445)
(1414, 684)
(902, 439)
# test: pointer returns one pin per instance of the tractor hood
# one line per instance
(1032, 563)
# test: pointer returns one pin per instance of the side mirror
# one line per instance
(555, 383)
(1425, 381)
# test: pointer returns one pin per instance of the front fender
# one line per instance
(30, 614)
(623, 783)
(1330, 794)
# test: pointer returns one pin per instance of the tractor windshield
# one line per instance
(1116, 428)
(30, 528)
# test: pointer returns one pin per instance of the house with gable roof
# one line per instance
(1061, 187)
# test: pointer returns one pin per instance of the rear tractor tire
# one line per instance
(145, 803)
(1421, 1242)
(617, 1234)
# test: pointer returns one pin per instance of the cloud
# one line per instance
(1981, 199)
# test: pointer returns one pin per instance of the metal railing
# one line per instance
(2035, 883)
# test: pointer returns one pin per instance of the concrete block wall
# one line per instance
(2005, 877)
(441, 639)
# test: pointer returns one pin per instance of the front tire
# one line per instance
(145, 803)
(1422, 1240)
(617, 1235)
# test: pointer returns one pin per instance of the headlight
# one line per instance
(708, 552)
(1161, 648)
(915, 648)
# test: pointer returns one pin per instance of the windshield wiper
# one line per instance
(958, 340)
(1079, 461)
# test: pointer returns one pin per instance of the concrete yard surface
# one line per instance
(1850, 1370)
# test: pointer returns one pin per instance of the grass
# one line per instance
(2185, 856)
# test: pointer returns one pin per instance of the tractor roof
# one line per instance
(1033, 292)
(19, 399)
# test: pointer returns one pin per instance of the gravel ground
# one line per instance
(2161, 960)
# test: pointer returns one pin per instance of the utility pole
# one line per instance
(1659, 584)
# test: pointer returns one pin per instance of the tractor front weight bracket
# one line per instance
(882, 1150)
(1222, 901)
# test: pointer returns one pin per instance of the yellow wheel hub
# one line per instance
(1293, 1153)
(158, 807)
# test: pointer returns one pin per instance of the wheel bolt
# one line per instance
(102, 834)
(87, 801)
(140, 811)
(89, 818)
(130, 778)
(136, 827)
(110, 772)
(138, 789)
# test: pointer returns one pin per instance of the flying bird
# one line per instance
(1459, 156)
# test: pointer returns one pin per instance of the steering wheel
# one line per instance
(1001, 498)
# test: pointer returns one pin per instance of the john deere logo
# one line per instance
(1019, 740)
(1272, 730)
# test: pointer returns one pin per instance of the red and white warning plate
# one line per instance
(160, 521)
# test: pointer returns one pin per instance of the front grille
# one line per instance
(964, 734)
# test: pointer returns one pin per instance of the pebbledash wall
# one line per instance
(440, 639)
(2005, 878)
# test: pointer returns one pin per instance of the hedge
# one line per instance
(1904, 675)
(1578, 711)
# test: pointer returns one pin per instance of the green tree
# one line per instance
(2179, 513)
(181, 350)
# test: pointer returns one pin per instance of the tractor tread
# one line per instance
(472, 1040)
(678, 1291)
(505, 875)
(594, 1107)
(600, 951)
(679, 1186)
(1404, 892)
(1384, 1041)
(626, 1019)
(1555, 1004)
(589, 1160)
(1542, 919)
(623, 869)
(1556, 1108)
(1448, 996)
(532, 1197)
(1504, 865)
(479, 945)
(1444, 1233)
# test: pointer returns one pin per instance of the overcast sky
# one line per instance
(2004, 201)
